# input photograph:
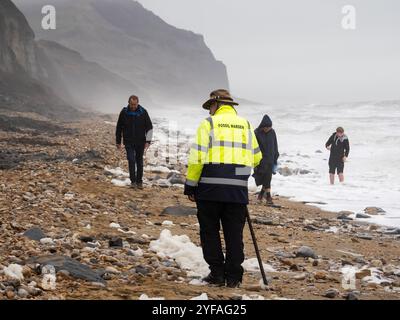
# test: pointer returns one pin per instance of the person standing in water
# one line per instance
(339, 146)
(268, 143)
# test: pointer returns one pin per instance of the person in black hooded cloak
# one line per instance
(268, 143)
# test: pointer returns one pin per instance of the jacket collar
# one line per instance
(139, 111)
(226, 109)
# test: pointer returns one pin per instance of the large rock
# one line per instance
(75, 268)
(35, 234)
(306, 252)
(374, 210)
(180, 211)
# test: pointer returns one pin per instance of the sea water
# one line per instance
(372, 171)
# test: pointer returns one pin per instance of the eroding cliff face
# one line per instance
(17, 45)
(170, 64)
(21, 73)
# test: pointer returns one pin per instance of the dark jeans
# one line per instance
(135, 158)
(233, 218)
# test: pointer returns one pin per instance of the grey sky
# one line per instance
(291, 51)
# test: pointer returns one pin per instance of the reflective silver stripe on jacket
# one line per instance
(191, 183)
(198, 147)
(224, 181)
(243, 171)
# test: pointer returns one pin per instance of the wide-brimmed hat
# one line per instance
(221, 96)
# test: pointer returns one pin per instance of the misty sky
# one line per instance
(291, 51)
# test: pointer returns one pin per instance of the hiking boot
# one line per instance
(231, 283)
(212, 280)
(133, 185)
(260, 196)
(270, 202)
(139, 185)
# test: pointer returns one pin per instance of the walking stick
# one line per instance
(253, 236)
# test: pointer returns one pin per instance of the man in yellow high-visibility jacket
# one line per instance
(219, 166)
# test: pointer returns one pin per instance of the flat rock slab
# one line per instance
(180, 211)
(362, 216)
(364, 236)
(34, 234)
(264, 221)
(75, 268)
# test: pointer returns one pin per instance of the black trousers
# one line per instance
(232, 216)
(268, 177)
(134, 153)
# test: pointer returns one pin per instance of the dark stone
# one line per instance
(86, 239)
(34, 234)
(314, 202)
(331, 293)
(352, 296)
(310, 227)
(362, 216)
(175, 178)
(306, 252)
(180, 211)
(295, 267)
(137, 240)
(344, 215)
(75, 268)
(142, 270)
(392, 231)
(115, 243)
(346, 263)
(360, 260)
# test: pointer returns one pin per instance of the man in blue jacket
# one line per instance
(135, 127)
